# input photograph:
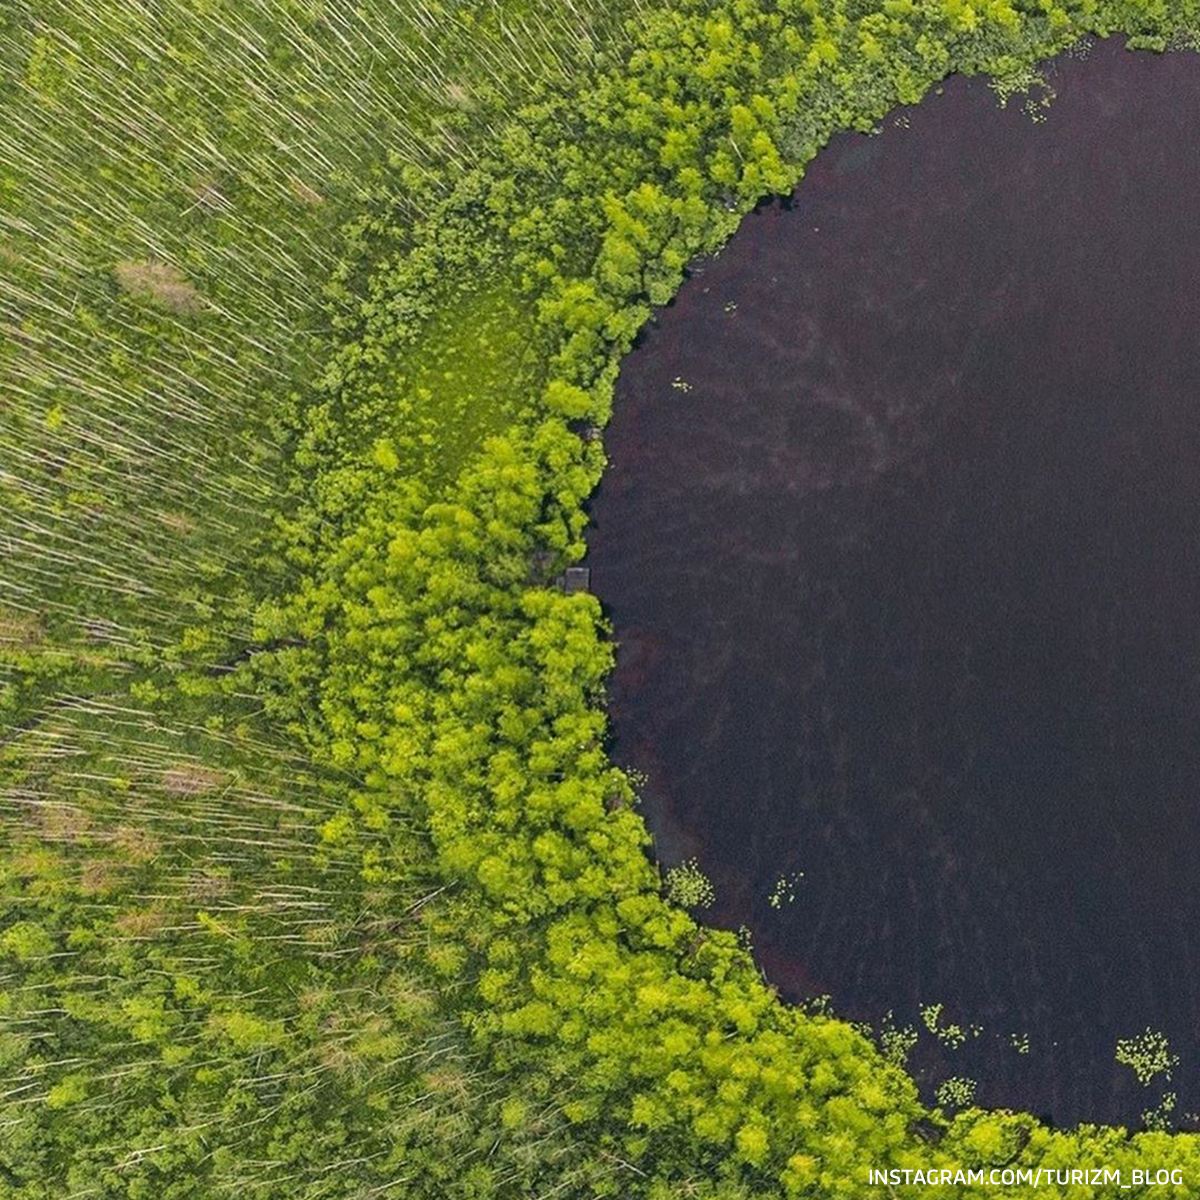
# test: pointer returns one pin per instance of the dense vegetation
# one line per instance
(318, 880)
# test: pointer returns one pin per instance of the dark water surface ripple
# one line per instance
(907, 585)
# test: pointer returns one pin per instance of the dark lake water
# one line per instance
(901, 543)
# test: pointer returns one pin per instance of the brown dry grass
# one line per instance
(178, 522)
(19, 629)
(458, 96)
(203, 887)
(192, 779)
(209, 197)
(97, 876)
(140, 922)
(63, 822)
(161, 283)
(304, 193)
(140, 845)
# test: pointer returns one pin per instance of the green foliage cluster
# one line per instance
(366, 910)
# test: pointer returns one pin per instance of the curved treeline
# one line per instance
(320, 883)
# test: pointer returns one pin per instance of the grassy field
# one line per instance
(190, 194)
(192, 199)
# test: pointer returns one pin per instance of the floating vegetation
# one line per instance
(1019, 1042)
(956, 1092)
(1018, 81)
(689, 887)
(638, 780)
(821, 1006)
(1029, 82)
(1037, 108)
(784, 891)
(951, 1035)
(1158, 1118)
(1148, 1055)
(1185, 37)
(896, 1042)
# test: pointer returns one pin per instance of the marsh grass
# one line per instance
(176, 193)
(192, 197)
